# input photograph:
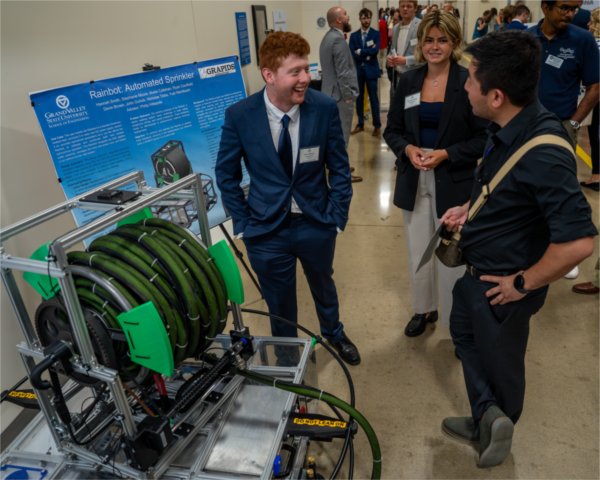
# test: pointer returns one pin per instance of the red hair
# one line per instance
(280, 45)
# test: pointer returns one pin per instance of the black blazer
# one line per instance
(461, 133)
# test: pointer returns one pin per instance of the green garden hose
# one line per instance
(306, 391)
(145, 291)
(160, 262)
(177, 272)
(191, 243)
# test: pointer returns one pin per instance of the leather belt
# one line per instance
(471, 270)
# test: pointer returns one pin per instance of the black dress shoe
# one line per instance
(418, 322)
(347, 350)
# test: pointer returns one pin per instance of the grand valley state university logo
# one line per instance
(62, 102)
(66, 114)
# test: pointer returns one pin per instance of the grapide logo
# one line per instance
(216, 70)
(62, 101)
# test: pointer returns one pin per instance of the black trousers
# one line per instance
(491, 342)
(594, 134)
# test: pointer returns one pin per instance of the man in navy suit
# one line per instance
(364, 45)
(290, 140)
(520, 18)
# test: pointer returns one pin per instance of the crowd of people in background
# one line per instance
(521, 83)
(397, 28)
(511, 17)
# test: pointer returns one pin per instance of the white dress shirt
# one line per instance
(275, 115)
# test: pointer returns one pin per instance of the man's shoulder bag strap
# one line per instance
(547, 139)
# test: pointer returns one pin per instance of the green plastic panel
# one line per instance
(136, 217)
(226, 264)
(45, 285)
(147, 338)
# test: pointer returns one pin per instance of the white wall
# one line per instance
(48, 44)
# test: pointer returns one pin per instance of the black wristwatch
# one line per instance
(519, 283)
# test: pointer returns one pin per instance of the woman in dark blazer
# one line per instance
(437, 141)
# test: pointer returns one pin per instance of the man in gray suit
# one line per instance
(404, 41)
(338, 72)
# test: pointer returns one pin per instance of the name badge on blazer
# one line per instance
(370, 43)
(413, 42)
(308, 154)
(413, 100)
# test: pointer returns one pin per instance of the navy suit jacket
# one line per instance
(322, 188)
(460, 133)
(367, 59)
(516, 25)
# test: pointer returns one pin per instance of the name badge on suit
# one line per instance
(308, 154)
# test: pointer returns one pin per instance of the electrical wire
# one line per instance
(50, 258)
(319, 340)
(328, 398)
(139, 401)
(348, 445)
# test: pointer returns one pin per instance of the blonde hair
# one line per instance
(595, 22)
(449, 26)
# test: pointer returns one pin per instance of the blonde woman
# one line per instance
(437, 140)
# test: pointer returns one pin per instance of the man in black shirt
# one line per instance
(533, 228)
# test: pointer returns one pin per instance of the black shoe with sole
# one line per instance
(347, 350)
(418, 322)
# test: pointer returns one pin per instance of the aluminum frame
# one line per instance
(70, 456)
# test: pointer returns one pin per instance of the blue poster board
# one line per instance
(241, 23)
(101, 130)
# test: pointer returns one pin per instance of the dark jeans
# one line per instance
(491, 342)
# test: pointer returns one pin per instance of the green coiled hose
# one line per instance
(161, 262)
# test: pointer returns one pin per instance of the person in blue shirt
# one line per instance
(483, 22)
(569, 59)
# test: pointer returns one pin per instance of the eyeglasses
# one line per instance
(567, 9)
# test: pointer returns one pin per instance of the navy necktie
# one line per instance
(364, 39)
(284, 148)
